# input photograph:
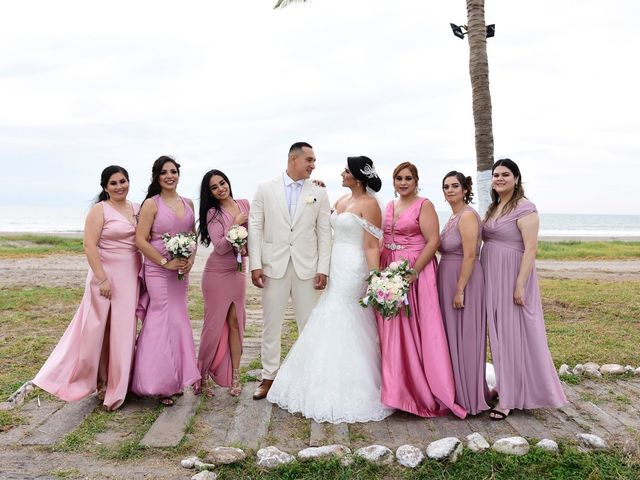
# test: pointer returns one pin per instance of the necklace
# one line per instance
(173, 205)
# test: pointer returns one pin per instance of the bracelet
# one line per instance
(100, 283)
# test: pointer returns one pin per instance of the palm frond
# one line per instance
(285, 3)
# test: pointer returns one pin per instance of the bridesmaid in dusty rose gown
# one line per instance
(96, 350)
(416, 367)
(165, 360)
(223, 286)
(525, 375)
(461, 290)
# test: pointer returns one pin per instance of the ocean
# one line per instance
(67, 220)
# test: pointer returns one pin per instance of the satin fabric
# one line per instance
(222, 286)
(525, 374)
(98, 345)
(165, 359)
(417, 375)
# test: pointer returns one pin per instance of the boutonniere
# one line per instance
(310, 199)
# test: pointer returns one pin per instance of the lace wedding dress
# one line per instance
(332, 373)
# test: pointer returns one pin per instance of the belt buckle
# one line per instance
(394, 246)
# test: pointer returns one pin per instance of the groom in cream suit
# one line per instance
(289, 251)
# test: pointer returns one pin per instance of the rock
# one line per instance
(591, 365)
(578, 369)
(189, 462)
(547, 444)
(445, 448)
(409, 456)
(564, 370)
(511, 446)
(637, 372)
(378, 454)
(257, 374)
(477, 443)
(629, 369)
(313, 453)
(200, 465)
(592, 372)
(206, 475)
(7, 406)
(225, 455)
(592, 442)
(490, 375)
(612, 369)
(271, 457)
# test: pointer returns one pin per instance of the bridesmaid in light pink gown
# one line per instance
(525, 375)
(165, 360)
(416, 367)
(223, 286)
(461, 290)
(96, 350)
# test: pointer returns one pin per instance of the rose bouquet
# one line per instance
(181, 245)
(387, 290)
(237, 237)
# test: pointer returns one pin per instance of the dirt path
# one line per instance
(71, 270)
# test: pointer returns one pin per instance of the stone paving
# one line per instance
(605, 407)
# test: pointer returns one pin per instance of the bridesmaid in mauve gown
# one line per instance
(461, 290)
(223, 286)
(165, 360)
(525, 374)
(416, 367)
(96, 350)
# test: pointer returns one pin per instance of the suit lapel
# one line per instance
(281, 198)
(302, 204)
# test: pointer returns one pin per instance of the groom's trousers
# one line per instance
(275, 297)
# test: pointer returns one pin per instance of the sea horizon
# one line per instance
(70, 220)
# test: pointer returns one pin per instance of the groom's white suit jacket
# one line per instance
(275, 237)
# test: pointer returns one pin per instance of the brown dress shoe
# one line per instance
(262, 390)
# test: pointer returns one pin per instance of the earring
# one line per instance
(395, 193)
(416, 191)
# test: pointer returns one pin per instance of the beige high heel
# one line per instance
(235, 388)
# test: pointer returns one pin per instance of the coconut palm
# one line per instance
(481, 96)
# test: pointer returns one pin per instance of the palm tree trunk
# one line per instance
(479, 71)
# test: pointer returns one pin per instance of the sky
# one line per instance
(230, 85)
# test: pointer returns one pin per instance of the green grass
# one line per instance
(574, 250)
(31, 323)
(82, 438)
(589, 320)
(31, 245)
(536, 465)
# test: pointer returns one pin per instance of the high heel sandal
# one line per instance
(235, 389)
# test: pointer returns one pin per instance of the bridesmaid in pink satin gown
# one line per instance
(96, 350)
(416, 368)
(165, 360)
(525, 375)
(223, 286)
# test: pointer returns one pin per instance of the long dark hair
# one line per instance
(208, 202)
(465, 183)
(104, 180)
(154, 187)
(518, 191)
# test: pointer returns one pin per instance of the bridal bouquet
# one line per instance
(387, 290)
(237, 237)
(181, 245)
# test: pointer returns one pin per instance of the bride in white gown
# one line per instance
(332, 373)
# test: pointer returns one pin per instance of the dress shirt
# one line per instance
(292, 190)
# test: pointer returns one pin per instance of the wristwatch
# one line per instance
(163, 262)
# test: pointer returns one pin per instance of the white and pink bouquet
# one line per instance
(181, 245)
(387, 290)
(237, 237)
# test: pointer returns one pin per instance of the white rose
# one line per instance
(242, 234)
(233, 235)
